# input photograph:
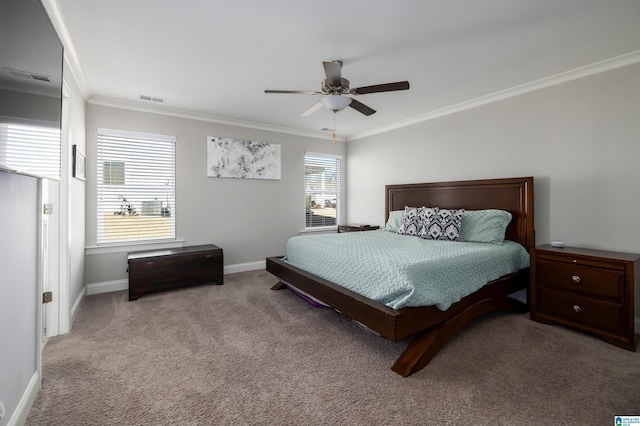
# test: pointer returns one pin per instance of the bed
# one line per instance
(429, 327)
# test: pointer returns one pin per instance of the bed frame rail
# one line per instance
(374, 315)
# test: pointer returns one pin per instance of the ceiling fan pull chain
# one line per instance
(334, 127)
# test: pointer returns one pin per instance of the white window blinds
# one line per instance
(322, 182)
(136, 186)
(32, 149)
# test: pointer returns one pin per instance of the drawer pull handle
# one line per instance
(575, 278)
(576, 308)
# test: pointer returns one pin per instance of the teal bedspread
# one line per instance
(400, 270)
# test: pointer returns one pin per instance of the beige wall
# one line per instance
(579, 140)
(72, 193)
(249, 218)
(29, 106)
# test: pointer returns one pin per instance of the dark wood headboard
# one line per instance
(514, 195)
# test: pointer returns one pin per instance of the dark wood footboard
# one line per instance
(431, 327)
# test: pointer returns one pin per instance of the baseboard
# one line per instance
(76, 305)
(244, 267)
(118, 285)
(19, 416)
(107, 287)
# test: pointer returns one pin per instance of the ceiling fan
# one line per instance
(334, 87)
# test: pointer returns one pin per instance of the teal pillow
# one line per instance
(485, 226)
(394, 221)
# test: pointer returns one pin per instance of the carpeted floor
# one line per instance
(242, 354)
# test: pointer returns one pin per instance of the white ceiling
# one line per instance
(216, 58)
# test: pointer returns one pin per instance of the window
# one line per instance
(31, 148)
(113, 172)
(322, 189)
(136, 186)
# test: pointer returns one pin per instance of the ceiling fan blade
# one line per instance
(388, 87)
(295, 92)
(333, 71)
(360, 107)
(313, 108)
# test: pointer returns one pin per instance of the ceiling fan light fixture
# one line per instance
(335, 102)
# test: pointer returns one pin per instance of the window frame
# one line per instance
(339, 204)
(143, 173)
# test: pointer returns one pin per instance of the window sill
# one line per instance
(126, 248)
(320, 230)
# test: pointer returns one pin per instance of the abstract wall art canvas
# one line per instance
(236, 158)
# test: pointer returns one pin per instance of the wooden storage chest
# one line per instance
(152, 271)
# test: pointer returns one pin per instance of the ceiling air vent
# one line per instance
(151, 98)
(40, 77)
(29, 75)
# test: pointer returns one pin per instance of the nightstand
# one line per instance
(589, 290)
(356, 228)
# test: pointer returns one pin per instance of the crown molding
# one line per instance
(564, 77)
(52, 8)
(136, 106)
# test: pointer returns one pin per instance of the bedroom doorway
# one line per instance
(55, 256)
(49, 262)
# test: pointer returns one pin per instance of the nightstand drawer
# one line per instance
(581, 310)
(588, 280)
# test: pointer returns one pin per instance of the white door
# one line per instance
(49, 263)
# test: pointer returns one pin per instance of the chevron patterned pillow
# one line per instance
(415, 218)
(445, 225)
(412, 221)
